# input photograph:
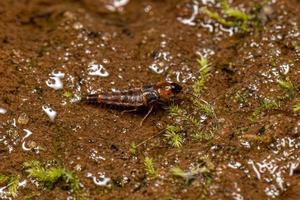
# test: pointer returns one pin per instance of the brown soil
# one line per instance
(253, 159)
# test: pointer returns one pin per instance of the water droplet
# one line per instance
(115, 4)
(101, 181)
(28, 133)
(190, 21)
(55, 80)
(3, 111)
(50, 112)
(156, 69)
(97, 70)
(77, 26)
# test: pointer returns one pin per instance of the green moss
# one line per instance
(3, 178)
(232, 17)
(50, 176)
(204, 172)
(68, 94)
(198, 86)
(265, 105)
(188, 176)
(215, 16)
(203, 135)
(288, 87)
(173, 135)
(265, 138)
(242, 98)
(12, 184)
(204, 107)
(133, 149)
(296, 107)
(174, 110)
(149, 167)
(204, 71)
(188, 118)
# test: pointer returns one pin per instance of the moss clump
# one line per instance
(232, 17)
(149, 167)
(288, 87)
(263, 139)
(204, 74)
(68, 94)
(50, 176)
(265, 105)
(296, 107)
(173, 135)
(12, 184)
(188, 118)
(133, 149)
(203, 172)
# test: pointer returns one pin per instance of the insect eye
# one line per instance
(176, 88)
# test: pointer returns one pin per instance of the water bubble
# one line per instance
(205, 2)
(234, 165)
(22, 183)
(25, 148)
(159, 65)
(58, 74)
(77, 25)
(116, 4)
(97, 70)
(119, 3)
(55, 80)
(190, 21)
(156, 68)
(230, 30)
(55, 83)
(28, 133)
(246, 144)
(293, 167)
(285, 68)
(3, 111)
(250, 162)
(100, 181)
(272, 191)
(208, 26)
(237, 196)
(95, 156)
(50, 112)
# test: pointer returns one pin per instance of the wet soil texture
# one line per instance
(54, 52)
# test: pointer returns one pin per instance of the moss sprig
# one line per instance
(149, 167)
(49, 176)
(12, 184)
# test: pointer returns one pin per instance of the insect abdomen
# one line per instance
(125, 98)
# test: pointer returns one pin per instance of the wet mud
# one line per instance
(54, 52)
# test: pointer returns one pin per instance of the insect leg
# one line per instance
(150, 110)
(126, 111)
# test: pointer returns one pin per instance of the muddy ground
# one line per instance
(255, 151)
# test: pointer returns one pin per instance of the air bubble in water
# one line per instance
(50, 112)
(97, 70)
